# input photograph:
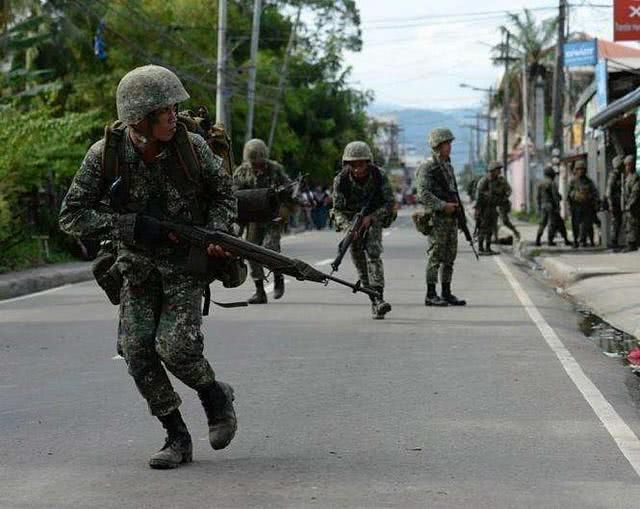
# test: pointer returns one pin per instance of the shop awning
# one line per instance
(616, 109)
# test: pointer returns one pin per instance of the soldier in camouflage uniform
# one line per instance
(259, 172)
(503, 192)
(487, 201)
(583, 200)
(160, 301)
(549, 209)
(437, 191)
(360, 184)
(614, 197)
(631, 204)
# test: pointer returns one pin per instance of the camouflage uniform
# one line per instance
(583, 199)
(632, 209)
(549, 209)
(614, 197)
(436, 185)
(503, 193)
(366, 253)
(160, 302)
(262, 234)
(487, 201)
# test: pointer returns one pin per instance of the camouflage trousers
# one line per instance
(443, 249)
(160, 322)
(265, 235)
(506, 221)
(632, 227)
(366, 255)
(487, 223)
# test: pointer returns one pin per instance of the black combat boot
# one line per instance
(379, 307)
(260, 297)
(278, 286)
(449, 298)
(177, 447)
(217, 399)
(432, 298)
(538, 239)
(551, 242)
(489, 251)
(481, 245)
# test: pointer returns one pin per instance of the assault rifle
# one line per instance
(345, 243)
(462, 223)
(199, 238)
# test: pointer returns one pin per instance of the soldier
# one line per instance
(583, 200)
(549, 209)
(631, 204)
(259, 172)
(160, 301)
(486, 214)
(614, 197)
(360, 184)
(503, 192)
(438, 191)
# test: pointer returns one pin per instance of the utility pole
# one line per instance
(222, 60)
(488, 155)
(283, 79)
(506, 99)
(525, 122)
(558, 79)
(253, 62)
(478, 154)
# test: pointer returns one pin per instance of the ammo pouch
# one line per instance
(108, 277)
(423, 221)
(257, 205)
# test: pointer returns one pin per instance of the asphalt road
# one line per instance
(484, 406)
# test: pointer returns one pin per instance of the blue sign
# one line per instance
(581, 53)
(602, 83)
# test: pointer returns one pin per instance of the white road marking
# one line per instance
(622, 434)
(36, 294)
(117, 358)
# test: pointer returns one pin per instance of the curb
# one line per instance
(16, 284)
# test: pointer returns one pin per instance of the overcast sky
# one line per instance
(416, 52)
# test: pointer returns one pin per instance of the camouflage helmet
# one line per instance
(146, 89)
(440, 135)
(494, 165)
(357, 151)
(255, 151)
(616, 162)
(549, 171)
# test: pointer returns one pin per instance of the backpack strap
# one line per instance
(113, 135)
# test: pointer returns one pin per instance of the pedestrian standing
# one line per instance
(631, 204)
(583, 200)
(437, 190)
(488, 198)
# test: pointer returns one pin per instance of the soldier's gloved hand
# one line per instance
(149, 230)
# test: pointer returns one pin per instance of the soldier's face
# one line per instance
(629, 167)
(359, 169)
(164, 123)
(444, 149)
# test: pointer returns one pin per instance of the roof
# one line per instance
(613, 50)
(616, 109)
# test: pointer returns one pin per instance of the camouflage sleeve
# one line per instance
(240, 180)
(340, 211)
(482, 191)
(634, 196)
(388, 199)
(222, 204)
(280, 176)
(82, 214)
(424, 185)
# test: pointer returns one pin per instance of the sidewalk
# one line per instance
(15, 284)
(607, 283)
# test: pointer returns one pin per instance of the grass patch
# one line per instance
(28, 254)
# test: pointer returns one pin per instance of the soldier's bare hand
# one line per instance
(216, 251)
(450, 208)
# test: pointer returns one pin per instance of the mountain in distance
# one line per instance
(417, 122)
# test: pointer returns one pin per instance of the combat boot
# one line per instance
(552, 243)
(260, 297)
(489, 251)
(177, 447)
(449, 298)
(278, 286)
(217, 399)
(432, 298)
(538, 240)
(379, 307)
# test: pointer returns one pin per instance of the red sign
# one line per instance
(626, 20)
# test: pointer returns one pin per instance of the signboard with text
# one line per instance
(580, 53)
(626, 20)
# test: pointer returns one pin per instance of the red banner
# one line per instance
(626, 20)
